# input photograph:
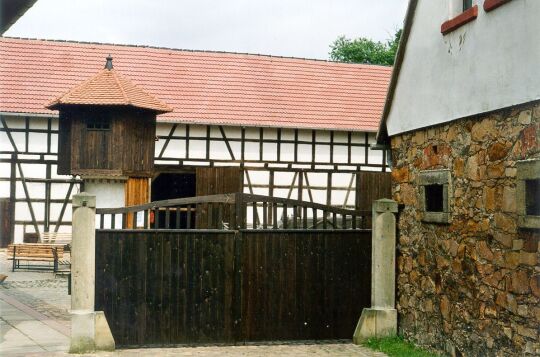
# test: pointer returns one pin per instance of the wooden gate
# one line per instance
(164, 286)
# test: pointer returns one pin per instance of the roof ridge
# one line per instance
(116, 79)
(192, 50)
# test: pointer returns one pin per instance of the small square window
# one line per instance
(435, 192)
(528, 193)
(98, 123)
(434, 198)
(532, 197)
(467, 4)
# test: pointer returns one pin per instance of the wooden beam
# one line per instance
(291, 187)
(366, 148)
(64, 205)
(349, 190)
(27, 133)
(242, 145)
(187, 141)
(308, 187)
(12, 196)
(278, 145)
(8, 133)
(255, 213)
(27, 194)
(261, 140)
(329, 189)
(226, 142)
(208, 142)
(349, 141)
(47, 213)
(167, 140)
(49, 128)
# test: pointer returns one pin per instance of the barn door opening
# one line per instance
(169, 186)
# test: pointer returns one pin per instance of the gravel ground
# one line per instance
(42, 291)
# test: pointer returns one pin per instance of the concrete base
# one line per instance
(90, 332)
(375, 322)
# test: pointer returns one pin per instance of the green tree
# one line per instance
(365, 50)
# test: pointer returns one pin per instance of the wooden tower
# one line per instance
(106, 135)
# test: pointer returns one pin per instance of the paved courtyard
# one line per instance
(35, 321)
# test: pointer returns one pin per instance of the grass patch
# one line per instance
(397, 347)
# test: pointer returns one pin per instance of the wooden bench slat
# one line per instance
(44, 259)
(36, 252)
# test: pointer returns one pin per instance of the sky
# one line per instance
(296, 28)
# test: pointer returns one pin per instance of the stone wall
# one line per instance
(472, 286)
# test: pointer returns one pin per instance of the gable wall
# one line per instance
(472, 286)
(487, 64)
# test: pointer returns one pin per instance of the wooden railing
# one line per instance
(232, 212)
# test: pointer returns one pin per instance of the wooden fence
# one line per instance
(288, 275)
(232, 211)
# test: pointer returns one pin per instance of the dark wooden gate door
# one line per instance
(163, 287)
(215, 181)
(371, 186)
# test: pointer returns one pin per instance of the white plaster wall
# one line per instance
(108, 194)
(487, 64)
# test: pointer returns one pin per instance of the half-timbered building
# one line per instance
(267, 125)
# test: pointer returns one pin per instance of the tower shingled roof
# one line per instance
(108, 87)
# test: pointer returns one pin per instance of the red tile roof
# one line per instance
(202, 87)
(108, 87)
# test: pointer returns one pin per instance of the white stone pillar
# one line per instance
(89, 329)
(381, 319)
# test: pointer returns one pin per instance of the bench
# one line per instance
(55, 238)
(37, 252)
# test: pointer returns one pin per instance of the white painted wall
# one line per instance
(487, 64)
(109, 194)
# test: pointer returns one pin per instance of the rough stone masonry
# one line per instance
(471, 286)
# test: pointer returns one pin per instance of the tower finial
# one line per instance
(108, 64)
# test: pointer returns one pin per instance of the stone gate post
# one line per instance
(89, 328)
(381, 319)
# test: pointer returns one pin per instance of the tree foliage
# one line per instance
(365, 50)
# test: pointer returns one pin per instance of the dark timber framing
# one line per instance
(221, 136)
(21, 155)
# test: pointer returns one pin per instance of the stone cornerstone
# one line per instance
(470, 286)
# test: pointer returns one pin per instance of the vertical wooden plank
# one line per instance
(304, 217)
(254, 215)
(265, 217)
(271, 217)
(285, 218)
(188, 219)
(166, 280)
(274, 209)
(167, 218)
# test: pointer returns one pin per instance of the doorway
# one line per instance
(168, 186)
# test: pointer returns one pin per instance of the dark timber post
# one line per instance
(12, 196)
